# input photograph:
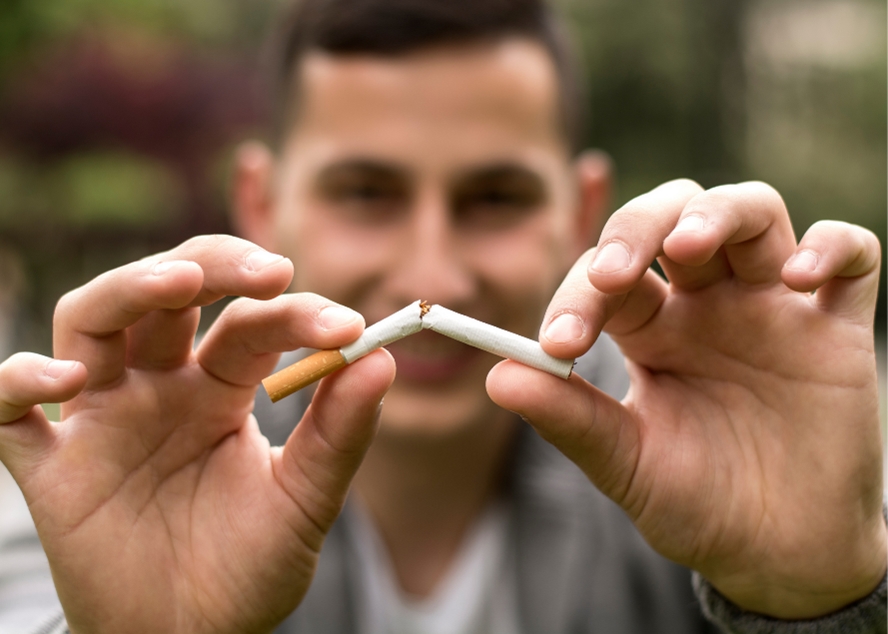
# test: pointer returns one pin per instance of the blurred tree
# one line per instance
(817, 113)
(793, 93)
(114, 117)
(665, 81)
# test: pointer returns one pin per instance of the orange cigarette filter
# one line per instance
(315, 367)
(299, 375)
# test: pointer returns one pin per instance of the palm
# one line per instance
(183, 503)
(735, 388)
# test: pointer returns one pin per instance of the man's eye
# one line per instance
(366, 203)
(498, 198)
(365, 193)
(359, 193)
(495, 208)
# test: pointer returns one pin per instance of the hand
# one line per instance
(748, 446)
(160, 505)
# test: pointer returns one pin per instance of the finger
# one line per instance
(578, 311)
(89, 322)
(233, 266)
(741, 230)
(325, 450)
(633, 237)
(841, 262)
(243, 345)
(26, 380)
(592, 429)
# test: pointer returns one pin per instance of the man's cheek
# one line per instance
(524, 266)
(334, 258)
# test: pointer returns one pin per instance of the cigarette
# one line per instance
(494, 340)
(407, 321)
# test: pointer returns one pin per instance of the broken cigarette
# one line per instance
(494, 340)
(407, 321)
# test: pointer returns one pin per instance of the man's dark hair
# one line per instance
(399, 27)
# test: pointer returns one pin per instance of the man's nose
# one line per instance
(432, 263)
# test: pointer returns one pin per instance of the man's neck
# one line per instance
(424, 495)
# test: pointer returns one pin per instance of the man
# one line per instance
(424, 153)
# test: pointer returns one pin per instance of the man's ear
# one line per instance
(594, 173)
(252, 194)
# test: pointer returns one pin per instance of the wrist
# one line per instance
(867, 615)
(852, 576)
(780, 602)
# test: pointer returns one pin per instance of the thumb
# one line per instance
(325, 450)
(26, 380)
(591, 428)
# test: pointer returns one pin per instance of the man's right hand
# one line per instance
(160, 505)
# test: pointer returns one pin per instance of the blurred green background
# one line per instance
(118, 119)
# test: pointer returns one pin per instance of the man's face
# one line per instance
(442, 176)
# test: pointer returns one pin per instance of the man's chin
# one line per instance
(415, 410)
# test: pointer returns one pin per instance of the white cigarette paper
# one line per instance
(494, 340)
(396, 326)
(407, 321)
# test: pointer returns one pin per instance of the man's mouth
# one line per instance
(428, 357)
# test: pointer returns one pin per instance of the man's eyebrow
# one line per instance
(365, 167)
(505, 170)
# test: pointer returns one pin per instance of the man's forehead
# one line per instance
(495, 91)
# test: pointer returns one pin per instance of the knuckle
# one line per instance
(66, 304)
(579, 268)
(198, 247)
(189, 245)
(210, 241)
(652, 208)
(869, 244)
(874, 243)
(684, 185)
(306, 298)
(634, 213)
(11, 364)
(21, 359)
(827, 232)
(826, 226)
(760, 190)
(236, 310)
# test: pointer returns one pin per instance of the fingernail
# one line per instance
(803, 261)
(565, 328)
(379, 411)
(56, 369)
(611, 258)
(333, 317)
(258, 260)
(689, 223)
